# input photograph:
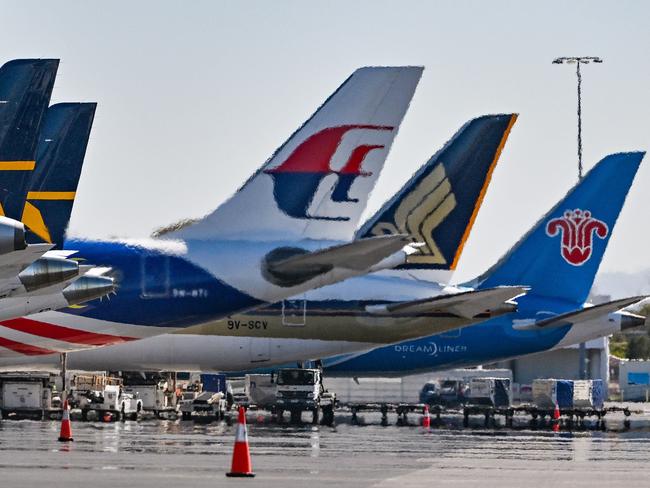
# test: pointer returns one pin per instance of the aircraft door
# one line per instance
(155, 276)
(260, 349)
(294, 312)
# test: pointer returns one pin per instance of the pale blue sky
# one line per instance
(194, 96)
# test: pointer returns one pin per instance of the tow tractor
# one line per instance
(300, 390)
(206, 400)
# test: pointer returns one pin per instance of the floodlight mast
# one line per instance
(578, 60)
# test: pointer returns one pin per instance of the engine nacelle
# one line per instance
(12, 235)
(48, 271)
(88, 288)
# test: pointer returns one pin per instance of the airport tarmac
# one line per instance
(173, 453)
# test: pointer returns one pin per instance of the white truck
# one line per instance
(157, 392)
(104, 395)
(301, 389)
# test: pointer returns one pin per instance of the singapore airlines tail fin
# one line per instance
(317, 184)
(560, 255)
(60, 156)
(439, 204)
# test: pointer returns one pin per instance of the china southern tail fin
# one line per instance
(317, 184)
(25, 90)
(60, 155)
(439, 204)
(560, 255)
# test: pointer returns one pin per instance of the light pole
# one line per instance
(578, 60)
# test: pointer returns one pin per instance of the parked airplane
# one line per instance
(438, 206)
(558, 258)
(31, 277)
(54, 280)
(289, 229)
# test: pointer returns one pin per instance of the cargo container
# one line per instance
(598, 394)
(494, 392)
(549, 392)
(27, 396)
(215, 383)
(582, 395)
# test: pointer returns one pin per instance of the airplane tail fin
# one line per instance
(560, 255)
(317, 184)
(60, 155)
(25, 90)
(439, 204)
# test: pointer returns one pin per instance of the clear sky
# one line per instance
(194, 95)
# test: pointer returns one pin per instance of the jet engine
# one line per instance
(12, 235)
(88, 288)
(47, 271)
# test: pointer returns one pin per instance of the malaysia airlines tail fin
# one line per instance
(25, 90)
(560, 255)
(439, 204)
(60, 156)
(317, 184)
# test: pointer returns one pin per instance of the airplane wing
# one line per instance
(581, 315)
(14, 262)
(293, 266)
(466, 304)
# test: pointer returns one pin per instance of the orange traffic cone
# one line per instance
(66, 429)
(556, 412)
(556, 418)
(426, 419)
(241, 457)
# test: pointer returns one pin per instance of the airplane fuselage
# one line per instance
(355, 344)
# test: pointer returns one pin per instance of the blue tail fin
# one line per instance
(60, 155)
(560, 255)
(25, 90)
(439, 204)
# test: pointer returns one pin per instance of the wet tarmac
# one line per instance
(156, 453)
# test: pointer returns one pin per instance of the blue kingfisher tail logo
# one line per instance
(297, 179)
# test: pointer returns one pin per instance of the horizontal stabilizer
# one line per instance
(291, 266)
(583, 315)
(466, 304)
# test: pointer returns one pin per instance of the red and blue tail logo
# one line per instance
(297, 179)
(578, 228)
